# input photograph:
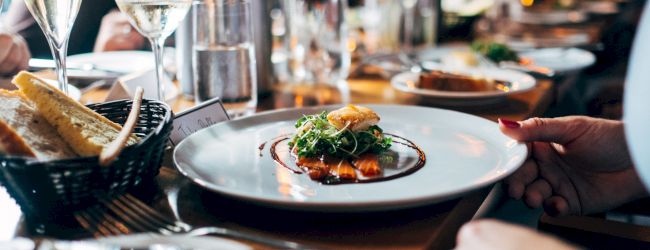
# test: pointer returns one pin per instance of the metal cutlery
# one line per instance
(126, 214)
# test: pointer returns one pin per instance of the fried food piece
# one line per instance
(343, 170)
(356, 118)
(368, 165)
(316, 167)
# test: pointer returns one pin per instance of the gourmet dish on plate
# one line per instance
(346, 146)
(446, 81)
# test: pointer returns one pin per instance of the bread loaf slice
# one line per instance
(25, 132)
(83, 129)
(11, 143)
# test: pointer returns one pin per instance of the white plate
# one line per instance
(561, 60)
(463, 153)
(116, 61)
(520, 82)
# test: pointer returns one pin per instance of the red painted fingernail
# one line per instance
(509, 123)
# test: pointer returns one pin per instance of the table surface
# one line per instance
(431, 226)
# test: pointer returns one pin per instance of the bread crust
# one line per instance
(11, 143)
(25, 132)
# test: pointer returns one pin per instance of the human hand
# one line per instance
(116, 33)
(577, 165)
(495, 235)
(14, 53)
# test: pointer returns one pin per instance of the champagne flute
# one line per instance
(56, 17)
(156, 20)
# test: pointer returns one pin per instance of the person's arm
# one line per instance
(19, 21)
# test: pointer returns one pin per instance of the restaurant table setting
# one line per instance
(217, 157)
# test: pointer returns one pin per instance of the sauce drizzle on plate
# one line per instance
(396, 172)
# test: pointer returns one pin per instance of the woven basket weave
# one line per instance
(47, 189)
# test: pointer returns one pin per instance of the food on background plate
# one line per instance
(346, 146)
(445, 81)
(25, 132)
(82, 128)
(496, 52)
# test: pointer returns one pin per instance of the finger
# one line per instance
(552, 168)
(136, 39)
(559, 130)
(28, 55)
(9, 62)
(537, 192)
(556, 206)
(517, 182)
(20, 57)
(5, 46)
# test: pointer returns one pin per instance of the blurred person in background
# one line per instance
(99, 27)
(14, 53)
(577, 165)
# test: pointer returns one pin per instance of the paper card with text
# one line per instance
(197, 118)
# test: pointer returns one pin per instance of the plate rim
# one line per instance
(345, 206)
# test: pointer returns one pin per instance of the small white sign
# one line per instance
(202, 116)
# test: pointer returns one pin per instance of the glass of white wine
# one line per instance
(156, 20)
(56, 17)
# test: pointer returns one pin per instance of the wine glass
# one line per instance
(156, 20)
(56, 17)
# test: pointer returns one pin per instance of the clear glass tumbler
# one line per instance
(224, 55)
(316, 41)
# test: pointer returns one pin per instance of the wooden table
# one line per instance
(433, 226)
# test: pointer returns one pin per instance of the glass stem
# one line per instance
(409, 22)
(60, 54)
(157, 45)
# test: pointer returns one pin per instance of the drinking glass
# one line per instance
(224, 55)
(392, 26)
(56, 17)
(317, 41)
(156, 20)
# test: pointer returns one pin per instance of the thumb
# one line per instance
(558, 130)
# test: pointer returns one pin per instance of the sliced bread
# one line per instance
(25, 132)
(11, 143)
(83, 129)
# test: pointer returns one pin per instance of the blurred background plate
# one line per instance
(520, 82)
(561, 60)
(115, 61)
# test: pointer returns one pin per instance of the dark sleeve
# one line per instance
(83, 35)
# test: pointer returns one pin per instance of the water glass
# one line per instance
(224, 55)
(316, 41)
(399, 26)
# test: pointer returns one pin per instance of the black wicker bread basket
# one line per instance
(47, 189)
